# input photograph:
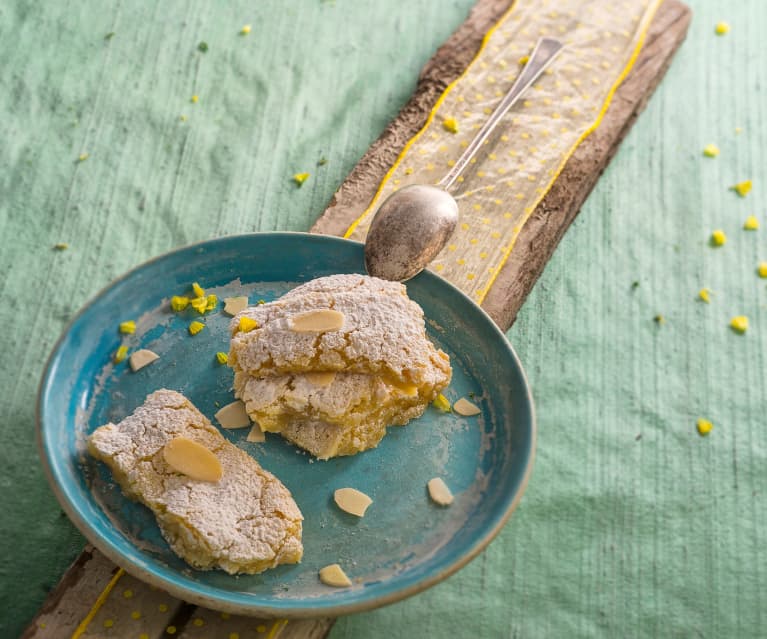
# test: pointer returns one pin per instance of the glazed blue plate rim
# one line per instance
(177, 584)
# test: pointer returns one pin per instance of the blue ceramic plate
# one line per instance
(404, 543)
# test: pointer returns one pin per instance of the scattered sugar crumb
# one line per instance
(704, 426)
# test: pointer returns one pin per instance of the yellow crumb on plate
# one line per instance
(441, 403)
(200, 304)
(179, 303)
(195, 327)
(711, 150)
(742, 188)
(718, 238)
(128, 328)
(705, 295)
(704, 426)
(120, 354)
(739, 324)
(198, 290)
(524, 59)
(300, 178)
(721, 28)
(222, 357)
(211, 302)
(751, 223)
(450, 124)
(247, 324)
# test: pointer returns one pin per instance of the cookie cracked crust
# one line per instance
(246, 522)
(383, 334)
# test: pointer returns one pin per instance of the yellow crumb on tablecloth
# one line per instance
(705, 295)
(450, 124)
(245, 29)
(751, 223)
(762, 269)
(704, 426)
(300, 178)
(718, 238)
(61, 246)
(195, 99)
(524, 60)
(711, 150)
(739, 324)
(721, 28)
(742, 188)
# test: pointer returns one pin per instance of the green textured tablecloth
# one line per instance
(632, 524)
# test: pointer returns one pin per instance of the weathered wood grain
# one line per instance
(552, 217)
(130, 607)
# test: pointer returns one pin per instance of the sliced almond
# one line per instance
(233, 415)
(439, 492)
(352, 501)
(233, 305)
(256, 434)
(192, 459)
(464, 407)
(321, 379)
(141, 358)
(332, 575)
(317, 321)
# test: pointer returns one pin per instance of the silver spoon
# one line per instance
(414, 223)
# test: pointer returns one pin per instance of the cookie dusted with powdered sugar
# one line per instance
(334, 362)
(382, 333)
(245, 522)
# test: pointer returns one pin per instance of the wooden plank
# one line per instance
(97, 599)
(93, 591)
(541, 234)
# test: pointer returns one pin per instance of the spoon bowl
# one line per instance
(410, 228)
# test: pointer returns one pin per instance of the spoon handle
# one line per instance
(546, 49)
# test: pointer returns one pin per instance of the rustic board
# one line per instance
(94, 592)
(542, 232)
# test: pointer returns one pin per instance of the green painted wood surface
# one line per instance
(618, 535)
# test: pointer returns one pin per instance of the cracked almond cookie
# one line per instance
(242, 519)
(334, 362)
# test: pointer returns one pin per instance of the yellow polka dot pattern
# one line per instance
(519, 162)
